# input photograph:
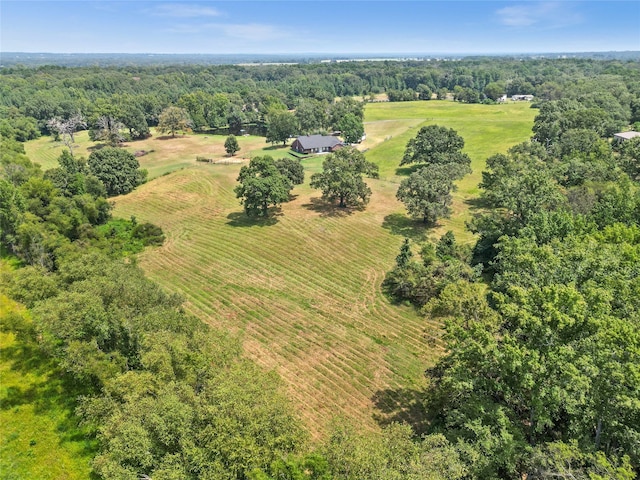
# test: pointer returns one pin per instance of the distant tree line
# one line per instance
(232, 96)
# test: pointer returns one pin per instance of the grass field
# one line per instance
(486, 129)
(166, 155)
(39, 436)
(302, 289)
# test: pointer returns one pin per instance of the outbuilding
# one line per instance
(622, 136)
(522, 98)
(316, 144)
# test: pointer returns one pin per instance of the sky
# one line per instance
(339, 27)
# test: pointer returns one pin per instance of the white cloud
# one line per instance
(546, 14)
(180, 10)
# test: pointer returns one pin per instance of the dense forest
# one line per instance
(229, 95)
(541, 315)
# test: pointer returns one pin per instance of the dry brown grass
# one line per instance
(167, 153)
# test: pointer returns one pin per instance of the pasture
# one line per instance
(486, 129)
(166, 154)
(302, 289)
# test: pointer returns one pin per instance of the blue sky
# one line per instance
(182, 26)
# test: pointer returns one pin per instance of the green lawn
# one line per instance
(302, 289)
(486, 129)
(39, 434)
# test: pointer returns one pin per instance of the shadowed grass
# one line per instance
(39, 433)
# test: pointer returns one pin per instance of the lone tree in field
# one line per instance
(173, 119)
(117, 169)
(261, 185)
(436, 145)
(66, 128)
(231, 145)
(427, 193)
(341, 177)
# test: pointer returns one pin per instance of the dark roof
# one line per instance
(308, 142)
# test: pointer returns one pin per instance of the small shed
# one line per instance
(316, 144)
(623, 136)
(522, 98)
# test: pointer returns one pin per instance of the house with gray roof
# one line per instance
(316, 144)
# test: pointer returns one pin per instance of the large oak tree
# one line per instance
(261, 185)
(341, 177)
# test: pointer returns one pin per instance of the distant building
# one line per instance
(316, 144)
(521, 98)
(622, 136)
(502, 99)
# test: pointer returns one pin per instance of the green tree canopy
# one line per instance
(312, 116)
(436, 145)
(427, 193)
(629, 158)
(117, 169)
(231, 145)
(351, 128)
(341, 177)
(292, 169)
(281, 124)
(344, 107)
(521, 183)
(494, 90)
(173, 119)
(261, 185)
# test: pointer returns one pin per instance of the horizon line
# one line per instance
(326, 53)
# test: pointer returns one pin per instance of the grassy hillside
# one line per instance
(303, 289)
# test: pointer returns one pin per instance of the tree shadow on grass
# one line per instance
(400, 224)
(406, 171)
(169, 137)
(477, 204)
(329, 209)
(97, 146)
(240, 219)
(276, 147)
(401, 405)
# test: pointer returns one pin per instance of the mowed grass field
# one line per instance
(302, 289)
(486, 129)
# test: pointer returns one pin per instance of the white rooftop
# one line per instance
(627, 135)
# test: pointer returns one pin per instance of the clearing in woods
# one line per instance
(302, 289)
